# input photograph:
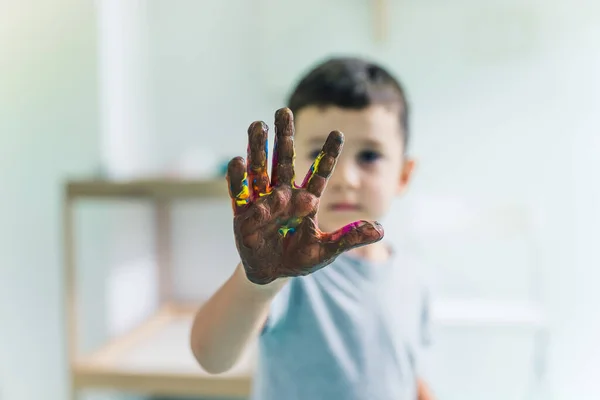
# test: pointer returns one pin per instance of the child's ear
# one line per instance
(408, 167)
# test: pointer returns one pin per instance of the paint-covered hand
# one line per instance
(275, 224)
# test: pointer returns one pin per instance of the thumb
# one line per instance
(356, 234)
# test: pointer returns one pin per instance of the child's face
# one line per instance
(369, 173)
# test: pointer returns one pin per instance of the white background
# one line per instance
(505, 97)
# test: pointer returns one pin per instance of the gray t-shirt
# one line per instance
(353, 330)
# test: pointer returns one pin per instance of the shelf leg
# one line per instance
(164, 251)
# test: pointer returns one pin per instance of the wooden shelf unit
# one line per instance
(154, 358)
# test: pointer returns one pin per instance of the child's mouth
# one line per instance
(344, 207)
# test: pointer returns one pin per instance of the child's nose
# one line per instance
(345, 176)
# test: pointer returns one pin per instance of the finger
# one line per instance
(356, 234)
(238, 184)
(258, 134)
(323, 166)
(283, 153)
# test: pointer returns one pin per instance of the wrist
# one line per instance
(266, 291)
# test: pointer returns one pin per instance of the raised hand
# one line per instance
(275, 224)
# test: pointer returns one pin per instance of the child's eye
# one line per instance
(368, 156)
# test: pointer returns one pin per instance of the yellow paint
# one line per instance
(291, 226)
(243, 197)
(293, 163)
(318, 160)
(284, 230)
(296, 221)
(316, 165)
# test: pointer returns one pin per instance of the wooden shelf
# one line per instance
(156, 359)
(151, 188)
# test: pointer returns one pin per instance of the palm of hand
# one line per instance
(275, 226)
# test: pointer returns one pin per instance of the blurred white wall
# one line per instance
(505, 97)
(48, 128)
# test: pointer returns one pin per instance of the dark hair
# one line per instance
(350, 82)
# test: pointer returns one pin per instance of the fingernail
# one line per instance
(339, 137)
(283, 112)
(378, 227)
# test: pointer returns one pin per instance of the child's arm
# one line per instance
(423, 391)
(277, 237)
(229, 320)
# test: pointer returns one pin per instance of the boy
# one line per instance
(338, 312)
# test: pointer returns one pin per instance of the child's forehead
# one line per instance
(375, 123)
